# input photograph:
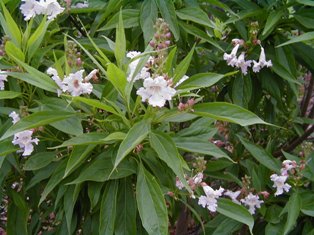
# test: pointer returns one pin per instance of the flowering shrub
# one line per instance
(156, 117)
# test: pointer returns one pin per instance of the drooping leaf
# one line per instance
(227, 112)
(200, 80)
(293, 209)
(9, 95)
(39, 160)
(151, 204)
(302, 38)
(148, 16)
(236, 212)
(196, 15)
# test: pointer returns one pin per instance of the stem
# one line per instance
(77, 26)
(308, 95)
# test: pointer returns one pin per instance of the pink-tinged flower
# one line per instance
(179, 184)
(156, 91)
(3, 78)
(74, 83)
(210, 200)
(198, 178)
(51, 8)
(15, 117)
(231, 58)
(262, 62)
(25, 142)
(287, 166)
(242, 63)
(237, 41)
(233, 195)
(81, 5)
(280, 183)
(253, 202)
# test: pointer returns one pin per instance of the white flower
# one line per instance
(287, 166)
(236, 41)
(242, 63)
(233, 195)
(210, 200)
(232, 57)
(75, 84)
(197, 179)
(262, 62)
(156, 91)
(53, 72)
(51, 8)
(15, 117)
(279, 183)
(3, 77)
(179, 184)
(31, 8)
(25, 142)
(143, 74)
(253, 202)
(185, 77)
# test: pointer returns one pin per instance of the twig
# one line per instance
(295, 142)
(308, 95)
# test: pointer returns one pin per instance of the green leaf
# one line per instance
(167, 151)
(120, 47)
(167, 10)
(7, 147)
(272, 20)
(183, 66)
(261, 155)
(302, 38)
(94, 192)
(101, 168)
(306, 2)
(130, 19)
(35, 120)
(10, 27)
(199, 145)
(135, 136)
(126, 206)
(68, 205)
(37, 37)
(151, 204)
(284, 73)
(14, 52)
(227, 112)
(236, 212)
(39, 160)
(293, 208)
(78, 155)
(53, 182)
(196, 15)
(148, 17)
(108, 209)
(117, 77)
(9, 95)
(305, 17)
(200, 80)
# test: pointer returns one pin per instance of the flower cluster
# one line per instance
(239, 61)
(210, 198)
(74, 83)
(24, 138)
(280, 180)
(31, 8)
(3, 78)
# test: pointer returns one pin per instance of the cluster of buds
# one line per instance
(73, 55)
(2, 45)
(187, 106)
(162, 37)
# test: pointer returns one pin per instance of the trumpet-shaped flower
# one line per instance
(233, 195)
(280, 183)
(253, 202)
(15, 117)
(144, 73)
(262, 62)
(3, 78)
(232, 57)
(75, 84)
(156, 91)
(210, 200)
(242, 63)
(51, 8)
(53, 72)
(25, 142)
(287, 166)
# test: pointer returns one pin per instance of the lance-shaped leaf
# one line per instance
(120, 47)
(183, 66)
(151, 203)
(167, 151)
(227, 112)
(36, 120)
(135, 136)
(9, 95)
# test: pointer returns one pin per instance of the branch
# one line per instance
(308, 94)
